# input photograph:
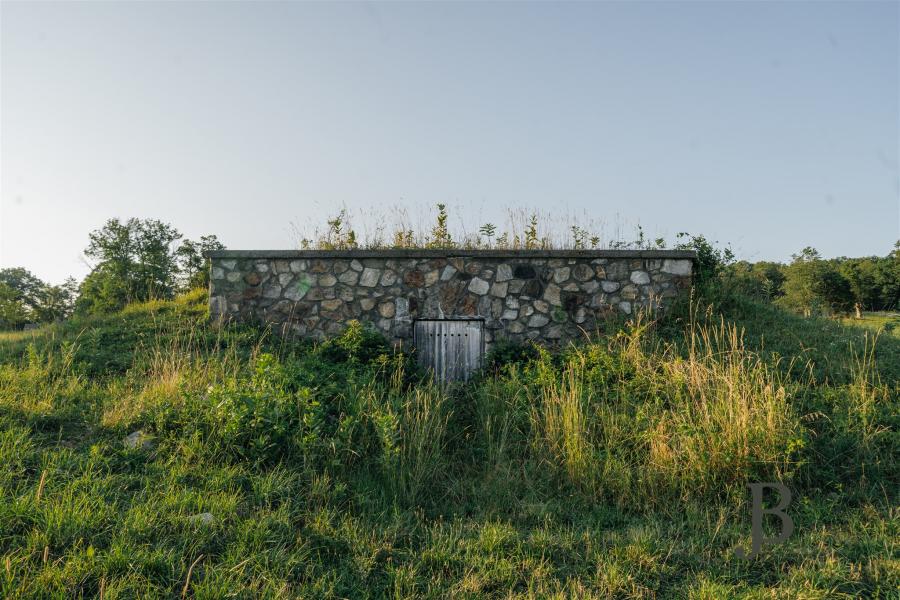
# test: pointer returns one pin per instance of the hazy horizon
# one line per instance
(769, 126)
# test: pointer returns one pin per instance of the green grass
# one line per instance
(887, 323)
(826, 349)
(616, 469)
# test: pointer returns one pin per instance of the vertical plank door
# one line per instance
(451, 349)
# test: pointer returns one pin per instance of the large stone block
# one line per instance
(640, 277)
(479, 286)
(369, 277)
(388, 278)
(583, 272)
(349, 277)
(386, 309)
(551, 294)
(561, 274)
(676, 267)
(504, 272)
(448, 273)
(538, 320)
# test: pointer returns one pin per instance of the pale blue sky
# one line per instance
(768, 125)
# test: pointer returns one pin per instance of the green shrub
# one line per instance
(357, 343)
(507, 352)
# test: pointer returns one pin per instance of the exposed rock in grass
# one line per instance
(202, 519)
(138, 440)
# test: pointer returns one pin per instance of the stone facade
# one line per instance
(550, 296)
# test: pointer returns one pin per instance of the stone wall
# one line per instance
(549, 296)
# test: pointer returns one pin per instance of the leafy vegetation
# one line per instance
(25, 299)
(134, 261)
(150, 453)
(139, 260)
(615, 468)
(812, 285)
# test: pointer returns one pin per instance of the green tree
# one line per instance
(26, 287)
(138, 260)
(58, 301)
(712, 261)
(762, 281)
(13, 313)
(814, 286)
(27, 299)
(887, 279)
(799, 293)
(138, 252)
(192, 264)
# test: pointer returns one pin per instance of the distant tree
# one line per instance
(834, 290)
(887, 279)
(102, 292)
(799, 292)
(27, 299)
(138, 260)
(814, 286)
(139, 253)
(13, 313)
(58, 301)
(860, 274)
(762, 280)
(193, 267)
(27, 288)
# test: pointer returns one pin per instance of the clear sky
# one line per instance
(768, 125)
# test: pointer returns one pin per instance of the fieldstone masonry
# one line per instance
(549, 296)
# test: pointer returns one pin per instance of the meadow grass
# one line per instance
(616, 468)
(884, 321)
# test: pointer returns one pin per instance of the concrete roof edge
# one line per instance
(449, 253)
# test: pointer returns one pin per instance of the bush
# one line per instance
(357, 344)
(507, 352)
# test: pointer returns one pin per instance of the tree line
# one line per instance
(812, 285)
(132, 261)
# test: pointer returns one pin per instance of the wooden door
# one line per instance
(452, 349)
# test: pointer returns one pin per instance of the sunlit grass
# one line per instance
(614, 469)
(885, 322)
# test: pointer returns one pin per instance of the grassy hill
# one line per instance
(617, 469)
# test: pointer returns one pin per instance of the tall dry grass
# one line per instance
(400, 226)
(684, 422)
